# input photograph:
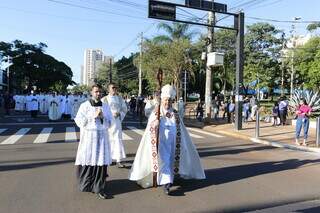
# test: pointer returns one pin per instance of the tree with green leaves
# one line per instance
(262, 53)
(173, 58)
(307, 64)
(31, 66)
(174, 32)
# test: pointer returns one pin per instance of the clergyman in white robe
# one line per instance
(19, 102)
(34, 105)
(75, 106)
(119, 109)
(93, 155)
(43, 104)
(54, 113)
(176, 154)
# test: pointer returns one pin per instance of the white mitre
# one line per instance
(168, 91)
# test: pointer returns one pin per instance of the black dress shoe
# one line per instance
(166, 189)
(120, 165)
(103, 195)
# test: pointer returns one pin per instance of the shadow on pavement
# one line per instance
(211, 151)
(116, 187)
(235, 173)
(34, 165)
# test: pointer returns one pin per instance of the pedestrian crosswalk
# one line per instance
(70, 134)
(14, 138)
(43, 136)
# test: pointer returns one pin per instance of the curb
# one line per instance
(270, 143)
(286, 146)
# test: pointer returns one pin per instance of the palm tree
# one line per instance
(174, 32)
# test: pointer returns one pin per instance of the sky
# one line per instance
(69, 27)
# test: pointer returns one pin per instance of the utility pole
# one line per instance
(282, 64)
(140, 66)
(110, 72)
(208, 91)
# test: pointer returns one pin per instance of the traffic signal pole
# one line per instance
(239, 22)
(208, 90)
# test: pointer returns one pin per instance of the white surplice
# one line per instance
(94, 147)
(117, 105)
(66, 107)
(189, 166)
(53, 112)
(43, 100)
(75, 106)
(34, 103)
(19, 102)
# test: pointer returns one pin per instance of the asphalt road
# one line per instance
(241, 176)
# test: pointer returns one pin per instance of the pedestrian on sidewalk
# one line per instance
(246, 110)
(174, 155)
(215, 108)
(303, 112)
(225, 109)
(94, 154)
(275, 113)
(199, 114)
(231, 110)
(283, 110)
(119, 110)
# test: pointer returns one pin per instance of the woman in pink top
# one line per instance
(303, 113)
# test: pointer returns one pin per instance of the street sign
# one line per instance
(206, 5)
(162, 10)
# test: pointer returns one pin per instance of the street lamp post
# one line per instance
(292, 56)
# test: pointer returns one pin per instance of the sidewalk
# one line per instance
(278, 136)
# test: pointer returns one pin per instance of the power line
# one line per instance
(95, 9)
(65, 17)
(135, 38)
(282, 21)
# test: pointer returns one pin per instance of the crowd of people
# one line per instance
(56, 106)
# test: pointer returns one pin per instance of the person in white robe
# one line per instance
(61, 103)
(28, 101)
(119, 109)
(54, 113)
(43, 104)
(94, 154)
(75, 106)
(34, 105)
(19, 103)
(175, 156)
(67, 107)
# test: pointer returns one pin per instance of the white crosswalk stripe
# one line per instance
(14, 138)
(126, 137)
(43, 136)
(206, 133)
(71, 135)
(136, 130)
(2, 130)
(195, 136)
(140, 132)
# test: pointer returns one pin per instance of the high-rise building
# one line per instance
(92, 59)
